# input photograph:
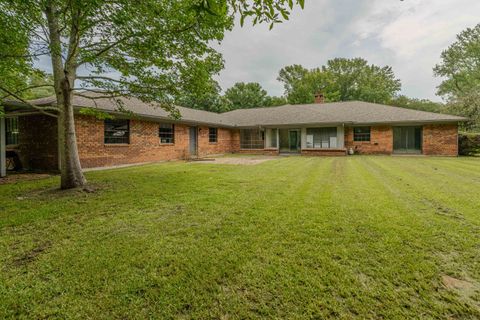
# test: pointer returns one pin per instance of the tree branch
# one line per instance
(25, 89)
(109, 96)
(106, 48)
(41, 109)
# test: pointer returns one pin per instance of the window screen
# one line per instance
(251, 139)
(212, 135)
(167, 133)
(117, 131)
(322, 138)
(11, 131)
(361, 134)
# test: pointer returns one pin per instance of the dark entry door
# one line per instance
(193, 141)
(294, 140)
(407, 140)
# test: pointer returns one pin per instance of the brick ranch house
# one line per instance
(149, 134)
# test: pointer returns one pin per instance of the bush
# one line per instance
(469, 144)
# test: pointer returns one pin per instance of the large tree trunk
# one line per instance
(64, 75)
(71, 170)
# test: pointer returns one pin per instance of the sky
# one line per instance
(407, 35)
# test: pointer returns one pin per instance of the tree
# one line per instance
(41, 85)
(468, 105)
(209, 99)
(290, 75)
(460, 67)
(158, 49)
(246, 95)
(417, 104)
(340, 80)
(272, 101)
(250, 95)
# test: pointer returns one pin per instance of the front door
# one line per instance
(293, 140)
(407, 140)
(193, 141)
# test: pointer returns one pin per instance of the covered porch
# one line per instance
(28, 140)
(304, 140)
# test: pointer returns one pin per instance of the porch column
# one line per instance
(303, 137)
(340, 137)
(3, 149)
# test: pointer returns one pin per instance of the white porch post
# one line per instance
(303, 135)
(3, 149)
(340, 137)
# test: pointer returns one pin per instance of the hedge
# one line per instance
(469, 144)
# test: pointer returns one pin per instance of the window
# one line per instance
(361, 134)
(117, 131)
(251, 139)
(322, 138)
(212, 135)
(11, 131)
(167, 133)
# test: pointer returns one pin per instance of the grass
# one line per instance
(353, 237)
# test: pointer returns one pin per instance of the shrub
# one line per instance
(469, 144)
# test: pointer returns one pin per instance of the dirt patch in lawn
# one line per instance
(246, 161)
(31, 255)
(468, 290)
(453, 283)
(18, 177)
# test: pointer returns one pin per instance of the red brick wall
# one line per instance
(144, 143)
(440, 139)
(324, 152)
(381, 141)
(266, 152)
(38, 143)
(223, 144)
(235, 140)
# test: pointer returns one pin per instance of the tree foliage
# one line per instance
(209, 99)
(239, 96)
(340, 80)
(41, 86)
(246, 95)
(403, 101)
(460, 67)
(155, 49)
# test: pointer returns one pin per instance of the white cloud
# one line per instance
(408, 35)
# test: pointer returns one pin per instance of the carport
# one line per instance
(37, 141)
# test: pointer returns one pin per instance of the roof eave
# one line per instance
(160, 118)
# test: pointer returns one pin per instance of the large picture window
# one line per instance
(212, 135)
(252, 139)
(11, 125)
(167, 133)
(322, 138)
(117, 131)
(361, 134)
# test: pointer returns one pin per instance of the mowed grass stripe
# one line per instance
(433, 189)
(424, 244)
(291, 238)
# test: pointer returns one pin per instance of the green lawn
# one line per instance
(366, 237)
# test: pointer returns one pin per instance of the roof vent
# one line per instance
(319, 97)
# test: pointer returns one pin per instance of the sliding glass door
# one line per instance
(290, 140)
(407, 140)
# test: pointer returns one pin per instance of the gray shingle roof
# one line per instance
(352, 112)
(355, 112)
(142, 109)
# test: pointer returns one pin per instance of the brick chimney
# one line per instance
(319, 97)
